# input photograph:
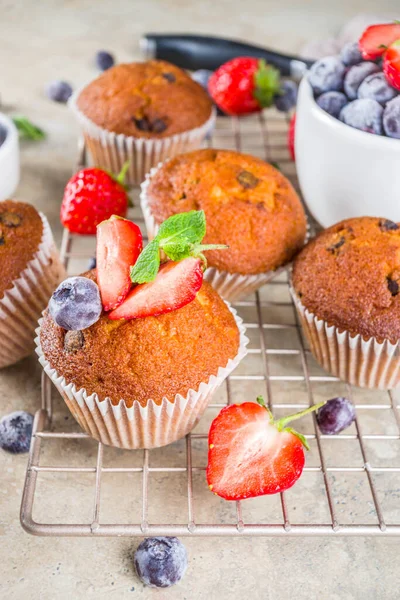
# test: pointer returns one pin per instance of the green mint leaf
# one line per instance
(267, 84)
(178, 249)
(189, 226)
(28, 130)
(146, 267)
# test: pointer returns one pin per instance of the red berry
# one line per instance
(377, 38)
(244, 85)
(175, 285)
(119, 243)
(90, 197)
(250, 454)
(290, 138)
(391, 65)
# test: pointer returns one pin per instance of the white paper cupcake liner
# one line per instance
(111, 150)
(364, 363)
(22, 304)
(136, 427)
(231, 286)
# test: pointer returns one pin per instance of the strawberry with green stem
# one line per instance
(252, 454)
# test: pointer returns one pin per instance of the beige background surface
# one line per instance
(41, 41)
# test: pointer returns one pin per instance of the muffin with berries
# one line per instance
(30, 270)
(346, 285)
(135, 347)
(142, 112)
(250, 206)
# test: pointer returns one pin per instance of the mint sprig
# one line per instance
(28, 130)
(267, 84)
(179, 237)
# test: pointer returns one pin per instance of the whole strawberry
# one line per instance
(90, 197)
(244, 85)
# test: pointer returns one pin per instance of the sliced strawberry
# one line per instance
(377, 38)
(391, 64)
(290, 137)
(250, 454)
(175, 285)
(119, 243)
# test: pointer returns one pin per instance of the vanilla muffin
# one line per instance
(144, 382)
(30, 271)
(346, 284)
(143, 112)
(249, 205)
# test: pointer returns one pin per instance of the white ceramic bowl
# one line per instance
(9, 159)
(344, 172)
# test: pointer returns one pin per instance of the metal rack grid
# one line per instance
(357, 489)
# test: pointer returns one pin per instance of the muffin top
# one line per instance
(249, 205)
(21, 230)
(145, 358)
(153, 99)
(349, 275)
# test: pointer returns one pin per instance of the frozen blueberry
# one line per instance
(3, 134)
(202, 77)
(92, 263)
(337, 414)
(332, 102)
(59, 91)
(76, 303)
(364, 114)
(288, 98)
(326, 75)
(355, 76)
(161, 561)
(376, 86)
(16, 431)
(350, 54)
(104, 60)
(391, 118)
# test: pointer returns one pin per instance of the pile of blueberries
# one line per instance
(356, 92)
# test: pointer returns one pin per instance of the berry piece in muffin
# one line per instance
(349, 276)
(249, 205)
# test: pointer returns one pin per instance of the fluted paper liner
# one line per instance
(111, 150)
(364, 363)
(22, 304)
(231, 286)
(149, 426)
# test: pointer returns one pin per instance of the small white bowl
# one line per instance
(9, 159)
(344, 172)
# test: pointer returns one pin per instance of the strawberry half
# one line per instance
(119, 243)
(377, 38)
(175, 285)
(290, 137)
(250, 454)
(391, 64)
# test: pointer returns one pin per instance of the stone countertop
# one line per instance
(49, 40)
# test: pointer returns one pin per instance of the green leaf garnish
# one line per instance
(267, 84)
(28, 130)
(179, 237)
(146, 267)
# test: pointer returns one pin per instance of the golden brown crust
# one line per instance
(147, 358)
(349, 275)
(249, 205)
(153, 99)
(21, 231)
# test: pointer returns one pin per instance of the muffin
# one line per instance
(30, 270)
(142, 112)
(345, 284)
(249, 205)
(144, 382)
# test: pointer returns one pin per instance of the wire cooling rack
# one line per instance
(351, 482)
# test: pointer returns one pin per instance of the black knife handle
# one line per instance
(206, 52)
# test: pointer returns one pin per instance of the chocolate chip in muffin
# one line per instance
(337, 245)
(247, 180)
(169, 77)
(393, 286)
(2, 240)
(73, 341)
(159, 125)
(388, 225)
(10, 219)
(143, 124)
